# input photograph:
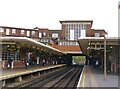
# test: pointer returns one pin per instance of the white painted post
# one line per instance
(37, 60)
(3, 83)
(12, 64)
(3, 64)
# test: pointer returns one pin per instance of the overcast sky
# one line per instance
(48, 13)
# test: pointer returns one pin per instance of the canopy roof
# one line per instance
(31, 42)
(84, 42)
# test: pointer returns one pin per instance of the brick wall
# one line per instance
(63, 31)
(67, 48)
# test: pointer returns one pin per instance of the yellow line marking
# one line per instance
(92, 79)
(91, 76)
(84, 77)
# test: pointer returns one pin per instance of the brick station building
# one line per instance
(64, 39)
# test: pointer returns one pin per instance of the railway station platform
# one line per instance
(8, 73)
(20, 72)
(92, 77)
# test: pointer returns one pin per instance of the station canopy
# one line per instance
(30, 43)
(85, 42)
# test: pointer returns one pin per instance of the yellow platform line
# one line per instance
(84, 77)
(92, 79)
(91, 76)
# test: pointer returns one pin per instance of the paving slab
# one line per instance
(95, 78)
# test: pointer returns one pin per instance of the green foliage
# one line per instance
(78, 59)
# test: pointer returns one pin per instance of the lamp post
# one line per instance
(105, 71)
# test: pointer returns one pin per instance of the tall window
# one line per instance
(33, 33)
(44, 34)
(75, 31)
(79, 31)
(71, 34)
(13, 30)
(83, 33)
(1, 29)
(22, 31)
(40, 35)
(28, 33)
(7, 31)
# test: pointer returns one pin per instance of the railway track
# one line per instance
(69, 80)
(67, 77)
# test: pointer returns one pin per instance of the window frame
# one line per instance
(13, 30)
(22, 32)
(2, 29)
(55, 35)
(33, 33)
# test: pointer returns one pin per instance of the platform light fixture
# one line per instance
(111, 47)
(37, 48)
(33, 47)
(8, 45)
